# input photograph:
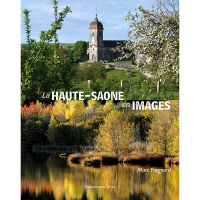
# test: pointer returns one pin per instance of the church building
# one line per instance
(100, 49)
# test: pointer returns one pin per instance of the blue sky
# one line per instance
(76, 24)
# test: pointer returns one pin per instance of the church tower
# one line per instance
(96, 40)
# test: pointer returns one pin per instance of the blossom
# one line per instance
(155, 35)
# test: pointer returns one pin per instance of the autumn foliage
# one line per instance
(108, 128)
(164, 130)
(115, 134)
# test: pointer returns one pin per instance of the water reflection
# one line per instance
(47, 176)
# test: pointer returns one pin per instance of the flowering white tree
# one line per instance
(154, 39)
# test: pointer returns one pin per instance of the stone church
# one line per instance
(100, 49)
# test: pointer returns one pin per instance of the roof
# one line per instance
(112, 43)
(96, 24)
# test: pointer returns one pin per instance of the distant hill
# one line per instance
(63, 44)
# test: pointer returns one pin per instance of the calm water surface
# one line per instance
(48, 177)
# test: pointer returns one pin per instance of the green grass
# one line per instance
(121, 75)
(141, 92)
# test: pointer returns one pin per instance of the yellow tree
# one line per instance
(91, 109)
(76, 111)
(162, 133)
(93, 104)
(174, 134)
(52, 130)
(58, 111)
(115, 133)
(108, 107)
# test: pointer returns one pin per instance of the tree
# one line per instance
(76, 111)
(32, 133)
(115, 133)
(90, 71)
(52, 130)
(164, 131)
(42, 70)
(91, 109)
(80, 50)
(154, 37)
(174, 134)
(58, 111)
(92, 128)
(26, 23)
(108, 107)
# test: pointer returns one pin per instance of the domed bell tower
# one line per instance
(96, 40)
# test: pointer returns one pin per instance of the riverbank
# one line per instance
(97, 158)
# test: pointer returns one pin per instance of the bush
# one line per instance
(44, 117)
(92, 128)
(138, 146)
(90, 71)
(32, 133)
(110, 85)
(66, 133)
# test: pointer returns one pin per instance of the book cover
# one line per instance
(100, 100)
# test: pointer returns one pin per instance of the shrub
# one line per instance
(35, 112)
(44, 117)
(138, 146)
(32, 133)
(92, 128)
(90, 71)
(94, 122)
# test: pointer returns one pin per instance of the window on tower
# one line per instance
(93, 36)
(99, 37)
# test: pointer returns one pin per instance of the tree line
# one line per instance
(107, 127)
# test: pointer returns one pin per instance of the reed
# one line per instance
(96, 158)
(172, 160)
(76, 158)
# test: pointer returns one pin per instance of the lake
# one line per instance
(48, 176)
